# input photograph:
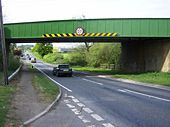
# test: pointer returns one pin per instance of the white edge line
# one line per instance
(159, 98)
(53, 80)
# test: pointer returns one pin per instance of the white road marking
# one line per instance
(121, 90)
(93, 81)
(66, 101)
(108, 125)
(70, 106)
(75, 100)
(87, 110)
(83, 119)
(75, 111)
(97, 117)
(80, 104)
(150, 96)
(71, 97)
(53, 80)
(91, 126)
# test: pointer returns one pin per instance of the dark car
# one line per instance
(62, 69)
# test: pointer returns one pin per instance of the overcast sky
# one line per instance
(44, 10)
(40, 10)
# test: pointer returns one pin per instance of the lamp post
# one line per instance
(2, 43)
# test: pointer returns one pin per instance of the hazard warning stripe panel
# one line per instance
(83, 35)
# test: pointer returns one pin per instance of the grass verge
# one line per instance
(149, 77)
(6, 93)
(47, 89)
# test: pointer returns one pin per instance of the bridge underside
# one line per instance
(138, 54)
(146, 55)
(83, 39)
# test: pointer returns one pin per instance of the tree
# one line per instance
(43, 48)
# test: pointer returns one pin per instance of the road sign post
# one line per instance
(2, 42)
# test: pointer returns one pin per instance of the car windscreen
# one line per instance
(63, 66)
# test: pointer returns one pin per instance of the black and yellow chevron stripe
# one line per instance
(83, 35)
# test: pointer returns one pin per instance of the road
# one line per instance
(92, 101)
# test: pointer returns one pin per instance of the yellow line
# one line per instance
(43, 36)
(58, 35)
(97, 34)
(92, 34)
(114, 34)
(103, 34)
(47, 35)
(53, 35)
(65, 35)
(108, 34)
(70, 35)
(87, 34)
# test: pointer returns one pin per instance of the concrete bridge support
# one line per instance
(143, 56)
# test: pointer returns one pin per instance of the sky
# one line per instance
(43, 10)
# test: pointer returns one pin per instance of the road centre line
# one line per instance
(150, 96)
(53, 80)
(93, 81)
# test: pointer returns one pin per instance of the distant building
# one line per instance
(64, 49)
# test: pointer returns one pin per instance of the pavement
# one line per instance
(26, 103)
(93, 101)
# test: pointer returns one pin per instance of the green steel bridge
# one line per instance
(94, 30)
(145, 42)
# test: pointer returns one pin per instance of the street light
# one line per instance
(2, 42)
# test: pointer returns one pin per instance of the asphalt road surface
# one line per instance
(101, 102)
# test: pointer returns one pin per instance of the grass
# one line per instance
(149, 77)
(6, 93)
(48, 89)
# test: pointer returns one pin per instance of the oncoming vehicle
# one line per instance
(33, 60)
(62, 69)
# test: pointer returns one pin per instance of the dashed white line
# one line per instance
(150, 96)
(93, 81)
(88, 110)
(108, 125)
(83, 119)
(121, 90)
(66, 101)
(80, 104)
(75, 111)
(91, 126)
(75, 100)
(71, 97)
(97, 117)
(70, 106)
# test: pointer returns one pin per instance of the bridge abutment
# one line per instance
(143, 56)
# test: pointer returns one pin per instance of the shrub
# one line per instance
(53, 58)
(13, 62)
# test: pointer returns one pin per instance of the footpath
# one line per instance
(26, 103)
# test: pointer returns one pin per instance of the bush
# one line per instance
(53, 58)
(13, 62)
(76, 58)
